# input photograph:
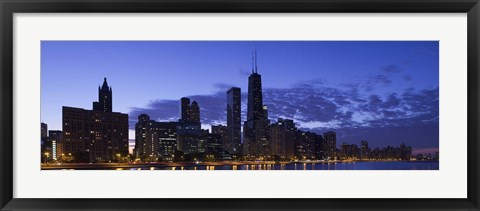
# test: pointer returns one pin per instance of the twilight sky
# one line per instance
(385, 92)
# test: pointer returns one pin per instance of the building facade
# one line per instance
(55, 137)
(330, 143)
(155, 140)
(97, 135)
(255, 129)
(234, 121)
(282, 139)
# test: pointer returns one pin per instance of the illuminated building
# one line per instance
(97, 135)
(155, 139)
(185, 109)
(195, 113)
(365, 150)
(330, 144)
(222, 132)
(234, 121)
(308, 145)
(255, 129)
(282, 138)
(55, 138)
(349, 151)
(189, 128)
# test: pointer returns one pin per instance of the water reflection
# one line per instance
(394, 165)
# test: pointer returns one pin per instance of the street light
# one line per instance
(46, 157)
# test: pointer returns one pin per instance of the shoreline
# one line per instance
(189, 164)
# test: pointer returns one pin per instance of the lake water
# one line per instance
(379, 165)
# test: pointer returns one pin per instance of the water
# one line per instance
(381, 165)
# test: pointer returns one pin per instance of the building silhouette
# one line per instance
(55, 137)
(282, 138)
(104, 102)
(234, 121)
(189, 128)
(195, 112)
(255, 129)
(308, 145)
(44, 143)
(155, 140)
(364, 150)
(97, 135)
(330, 144)
(185, 109)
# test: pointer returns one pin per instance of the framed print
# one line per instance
(239, 105)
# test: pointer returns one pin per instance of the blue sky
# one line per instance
(383, 91)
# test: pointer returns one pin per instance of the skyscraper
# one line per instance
(282, 138)
(104, 102)
(43, 131)
(44, 142)
(330, 139)
(154, 140)
(234, 122)
(256, 127)
(97, 135)
(189, 128)
(365, 150)
(194, 112)
(185, 109)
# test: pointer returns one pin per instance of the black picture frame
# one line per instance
(9, 7)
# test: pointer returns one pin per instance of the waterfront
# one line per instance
(354, 165)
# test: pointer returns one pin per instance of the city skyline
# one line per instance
(367, 105)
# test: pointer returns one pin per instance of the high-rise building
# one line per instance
(330, 144)
(189, 128)
(308, 145)
(44, 140)
(282, 138)
(222, 132)
(154, 140)
(365, 150)
(256, 127)
(43, 131)
(349, 151)
(185, 109)
(167, 135)
(104, 102)
(194, 112)
(55, 137)
(234, 121)
(140, 150)
(97, 135)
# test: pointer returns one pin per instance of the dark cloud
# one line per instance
(407, 77)
(381, 79)
(318, 108)
(244, 72)
(391, 69)
(376, 80)
(222, 87)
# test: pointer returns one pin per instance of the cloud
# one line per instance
(374, 81)
(315, 107)
(391, 69)
(244, 72)
(407, 77)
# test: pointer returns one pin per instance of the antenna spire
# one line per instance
(253, 63)
(256, 70)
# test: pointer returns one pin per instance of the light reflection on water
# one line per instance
(380, 165)
(398, 165)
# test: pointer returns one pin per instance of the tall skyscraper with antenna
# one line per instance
(256, 127)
